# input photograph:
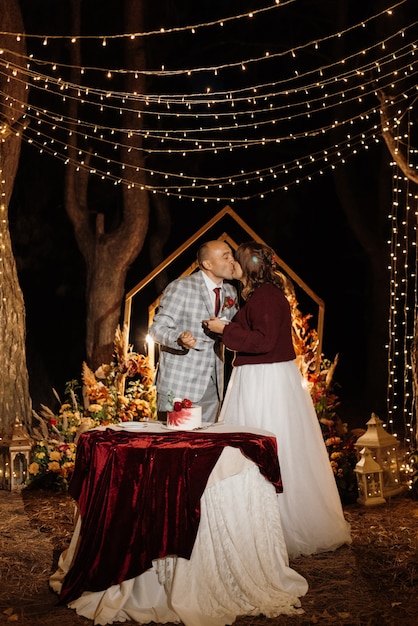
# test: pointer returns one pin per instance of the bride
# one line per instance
(266, 390)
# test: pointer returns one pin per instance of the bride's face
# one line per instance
(237, 272)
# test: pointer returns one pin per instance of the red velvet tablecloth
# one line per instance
(139, 494)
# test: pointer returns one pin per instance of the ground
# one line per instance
(372, 582)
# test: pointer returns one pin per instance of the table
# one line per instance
(177, 526)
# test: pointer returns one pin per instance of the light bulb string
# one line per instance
(250, 13)
(359, 72)
(214, 148)
(218, 97)
(197, 182)
(238, 64)
(38, 116)
(307, 107)
(204, 145)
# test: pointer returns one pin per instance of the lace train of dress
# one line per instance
(254, 581)
(274, 397)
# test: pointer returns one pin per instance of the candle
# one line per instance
(150, 350)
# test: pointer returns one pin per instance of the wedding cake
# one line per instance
(184, 416)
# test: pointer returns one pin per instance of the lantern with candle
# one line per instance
(384, 449)
(369, 479)
(15, 451)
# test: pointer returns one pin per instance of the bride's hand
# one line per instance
(215, 325)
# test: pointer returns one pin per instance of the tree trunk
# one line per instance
(14, 384)
(108, 255)
(105, 291)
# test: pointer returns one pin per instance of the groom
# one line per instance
(190, 365)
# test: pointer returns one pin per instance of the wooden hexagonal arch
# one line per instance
(191, 268)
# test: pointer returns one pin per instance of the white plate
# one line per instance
(132, 425)
(186, 430)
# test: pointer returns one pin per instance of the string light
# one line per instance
(213, 122)
(403, 305)
(196, 186)
(164, 31)
(263, 97)
(185, 132)
(238, 64)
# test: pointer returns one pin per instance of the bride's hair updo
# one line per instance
(259, 266)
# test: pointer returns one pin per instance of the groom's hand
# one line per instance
(186, 340)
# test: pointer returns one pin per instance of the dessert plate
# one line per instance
(132, 425)
(188, 430)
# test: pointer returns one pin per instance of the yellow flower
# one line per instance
(332, 441)
(33, 468)
(55, 456)
(67, 469)
(53, 466)
(95, 408)
(40, 455)
(334, 467)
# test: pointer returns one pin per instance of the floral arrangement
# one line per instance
(338, 441)
(53, 456)
(122, 390)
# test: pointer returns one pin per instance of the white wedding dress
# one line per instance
(275, 397)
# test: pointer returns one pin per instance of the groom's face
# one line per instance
(219, 263)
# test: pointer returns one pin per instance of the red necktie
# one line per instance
(217, 291)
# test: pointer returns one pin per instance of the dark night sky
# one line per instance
(305, 225)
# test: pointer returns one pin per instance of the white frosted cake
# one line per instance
(186, 417)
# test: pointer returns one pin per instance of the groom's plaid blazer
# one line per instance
(184, 304)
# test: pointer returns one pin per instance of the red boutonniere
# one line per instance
(228, 303)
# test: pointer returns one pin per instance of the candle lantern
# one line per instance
(369, 480)
(14, 458)
(384, 450)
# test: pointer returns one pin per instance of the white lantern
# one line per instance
(369, 480)
(384, 450)
(14, 458)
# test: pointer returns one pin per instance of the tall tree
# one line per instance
(109, 246)
(14, 384)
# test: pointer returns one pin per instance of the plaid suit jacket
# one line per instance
(184, 304)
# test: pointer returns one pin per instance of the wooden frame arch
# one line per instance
(181, 249)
